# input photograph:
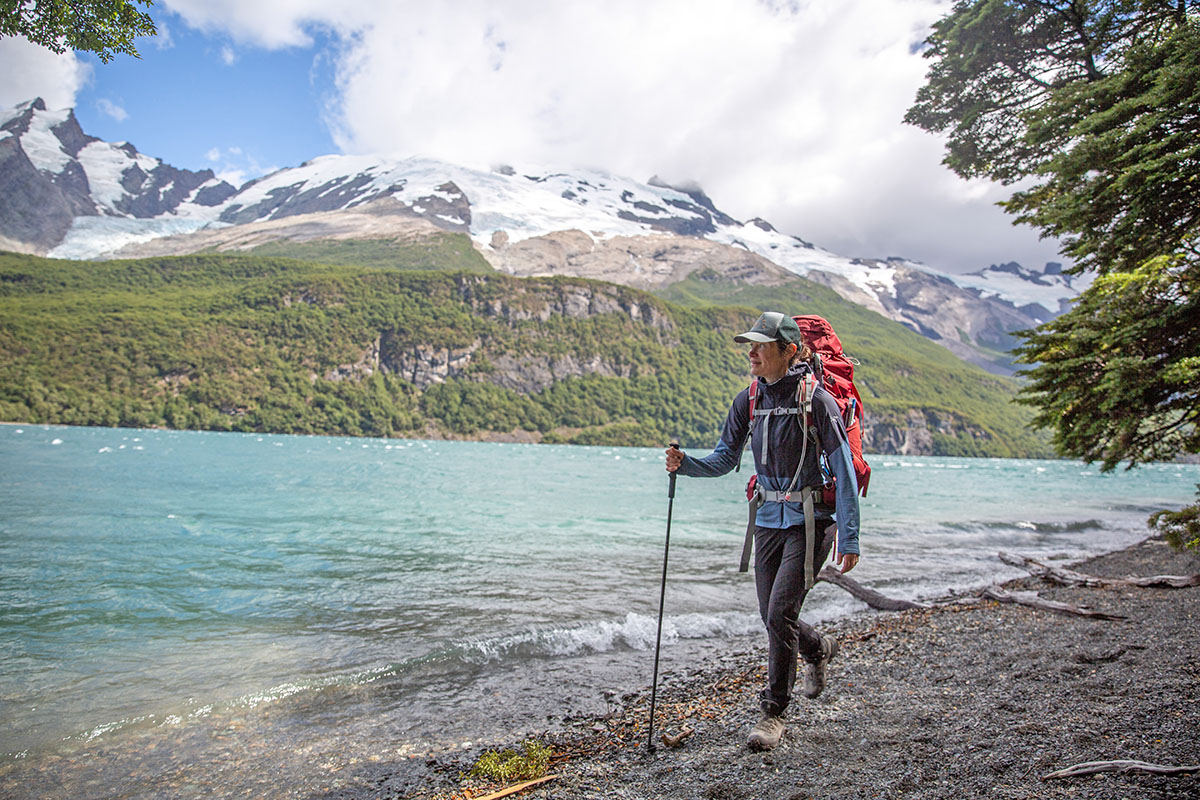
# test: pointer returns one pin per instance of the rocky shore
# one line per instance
(960, 702)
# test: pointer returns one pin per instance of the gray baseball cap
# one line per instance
(772, 327)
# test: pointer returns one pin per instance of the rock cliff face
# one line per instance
(37, 206)
(532, 369)
(912, 434)
(976, 328)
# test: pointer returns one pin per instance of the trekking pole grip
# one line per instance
(671, 485)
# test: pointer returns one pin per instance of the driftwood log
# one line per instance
(881, 602)
(874, 599)
(1092, 767)
(1032, 600)
(1058, 575)
(1069, 577)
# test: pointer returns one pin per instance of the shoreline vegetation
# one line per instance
(957, 701)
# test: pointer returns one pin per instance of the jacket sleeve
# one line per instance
(832, 432)
(727, 453)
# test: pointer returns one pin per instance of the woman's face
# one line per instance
(769, 360)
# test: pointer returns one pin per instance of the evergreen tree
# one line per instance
(1095, 105)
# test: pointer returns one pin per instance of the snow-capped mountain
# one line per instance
(1051, 290)
(69, 195)
(53, 176)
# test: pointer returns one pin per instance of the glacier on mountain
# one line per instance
(96, 237)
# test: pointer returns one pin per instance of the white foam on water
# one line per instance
(633, 632)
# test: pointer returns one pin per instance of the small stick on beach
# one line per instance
(1092, 767)
(673, 741)
(516, 787)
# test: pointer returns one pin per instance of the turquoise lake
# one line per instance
(158, 588)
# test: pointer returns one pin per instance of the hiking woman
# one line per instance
(785, 537)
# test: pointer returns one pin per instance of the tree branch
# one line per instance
(1032, 600)
(1091, 767)
(871, 597)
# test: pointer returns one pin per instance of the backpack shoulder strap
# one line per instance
(805, 388)
(752, 394)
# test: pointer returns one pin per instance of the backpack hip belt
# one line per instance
(810, 528)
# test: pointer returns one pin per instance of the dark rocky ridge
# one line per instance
(38, 207)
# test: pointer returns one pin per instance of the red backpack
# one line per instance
(835, 372)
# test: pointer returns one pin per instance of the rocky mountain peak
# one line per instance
(55, 178)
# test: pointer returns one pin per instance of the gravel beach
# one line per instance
(959, 702)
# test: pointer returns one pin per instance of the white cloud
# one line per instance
(278, 23)
(162, 38)
(31, 71)
(234, 177)
(235, 165)
(791, 111)
(113, 110)
(228, 57)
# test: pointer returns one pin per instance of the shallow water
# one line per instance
(159, 587)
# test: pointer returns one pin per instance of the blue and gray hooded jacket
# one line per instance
(777, 443)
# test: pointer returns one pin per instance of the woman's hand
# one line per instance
(846, 561)
(674, 458)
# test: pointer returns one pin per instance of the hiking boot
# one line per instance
(767, 733)
(814, 675)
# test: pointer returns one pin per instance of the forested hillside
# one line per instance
(255, 343)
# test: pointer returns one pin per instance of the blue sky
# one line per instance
(788, 110)
(253, 109)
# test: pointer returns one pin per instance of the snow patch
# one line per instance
(7, 115)
(1043, 290)
(41, 145)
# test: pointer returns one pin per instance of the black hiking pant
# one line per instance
(779, 578)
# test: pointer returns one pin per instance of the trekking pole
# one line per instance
(662, 595)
